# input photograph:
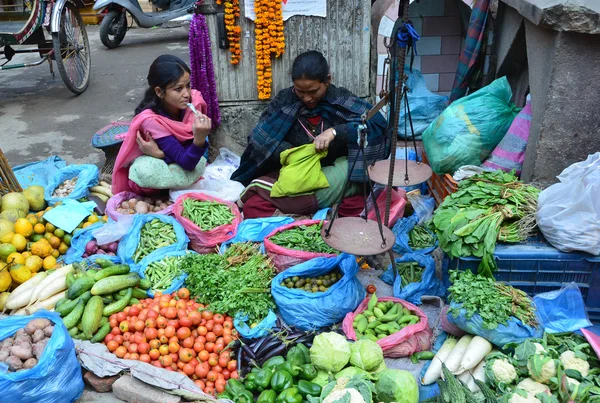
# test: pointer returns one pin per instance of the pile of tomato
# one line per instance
(174, 332)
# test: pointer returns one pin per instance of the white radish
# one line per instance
(479, 371)
(457, 354)
(22, 294)
(435, 367)
(477, 349)
(62, 272)
(58, 285)
(468, 380)
(47, 304)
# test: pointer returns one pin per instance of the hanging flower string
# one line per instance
(203, 75)
(234, 31)
(270, 40)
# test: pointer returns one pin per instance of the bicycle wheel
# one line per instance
(72, 50)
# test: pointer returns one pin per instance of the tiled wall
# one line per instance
(438, 24)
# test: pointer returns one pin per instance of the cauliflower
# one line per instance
(339, 394)
(504, 371)
(539, 349)
(541, 368)
(569, 361)
(532, 387)
(572, 383)
(518, 398)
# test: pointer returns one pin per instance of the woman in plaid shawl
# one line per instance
(311, 111)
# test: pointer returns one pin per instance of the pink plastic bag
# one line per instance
(448, 326)
(284, 258)
(206, 241)
(115, 202)
(406, 342)
(593, 339)
(396, 207)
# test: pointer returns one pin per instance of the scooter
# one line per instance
(114, 24)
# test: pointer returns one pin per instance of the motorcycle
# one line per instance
(114, 24)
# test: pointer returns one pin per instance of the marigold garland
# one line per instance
(270, 40)
(234, 31)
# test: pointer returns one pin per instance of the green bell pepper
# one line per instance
(225, 395)
(273, 362)
(289, 367)
(281, 380)
(244, 397)
(308, 388)
(234, 387)
(289, 395)
(295, 356)
(250, 382)
(267, 396)
(305, 351)
(263, 378)
(308, 372)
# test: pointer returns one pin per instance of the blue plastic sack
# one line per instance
(307, 310)
(78, 243)
(255, 230)
(57, 375)
(429, 285)
(159, 255)
(562, 310)
(39, 172)
(129, 243)
(401, 230)
(261, 330)
(87, 176)
(513, 332)
(321, 214)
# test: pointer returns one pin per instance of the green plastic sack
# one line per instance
(470, 128)
(154, 173)
(336, 175)
(301, 172)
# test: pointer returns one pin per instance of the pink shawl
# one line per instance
(129, 150)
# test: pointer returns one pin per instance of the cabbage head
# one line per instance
(351, 372)
(330, 351)
(397, 386)
(366, 354)
(322, 378)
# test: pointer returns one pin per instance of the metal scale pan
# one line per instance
(418, 172)
(358, 236)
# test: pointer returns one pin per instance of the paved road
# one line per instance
(39, 116)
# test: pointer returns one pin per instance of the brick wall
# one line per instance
(438, 24)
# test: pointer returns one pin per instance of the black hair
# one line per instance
(165, 70)
(311, 65)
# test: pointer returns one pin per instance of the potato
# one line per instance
(40, 323)
(38, 335)
(14, 363)
(20, 332)
(25, 338)
(22, 351)
(131, 203)
(48, 330)
(124, 205)
(4, 354)
(38, 348)
(30, 328)
(141, 208)
(30, 363)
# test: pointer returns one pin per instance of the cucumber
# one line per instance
(72, 319)
(70, 279)
(119, 305)
(60, 302)
(134, 301)
(103, 321)
(139, 294)
(112, 271)
(80, 286)
(113, 284)
(92, 315)
(73, 331)
(107, 299)
(104, 263)
(86, 296)
(65, 308)
(145, 284)
(101, 333)
(91, 273)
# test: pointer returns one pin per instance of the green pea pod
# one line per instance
(378, 312)
(281, 380)
(369, 337)
(362, 324)
(308, 372)
(267, 396)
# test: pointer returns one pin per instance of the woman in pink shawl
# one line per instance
(164, 127)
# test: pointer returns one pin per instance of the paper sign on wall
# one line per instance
(315, 8)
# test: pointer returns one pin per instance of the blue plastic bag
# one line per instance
(129, 243)
(159, 255)
(78, 243)
(429, 284)
(401, 230)
(39, 172)
(261, 330)
(307, 310)
(87, 176)
(321, 214)
(57, 375)
(255, 230)
(562, 310)
(514, 332)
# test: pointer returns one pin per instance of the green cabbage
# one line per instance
(322, 378)
(397, 386)
(351, 372)
(330, 351)
(366, 354)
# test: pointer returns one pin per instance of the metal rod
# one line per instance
(21, 65)
(29, 50)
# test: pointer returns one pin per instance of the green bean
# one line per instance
(306, 238)
(207, 215)
(154, 235)
(420, 238)
(162, 272)
(410, 272)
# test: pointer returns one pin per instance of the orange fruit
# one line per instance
(26, 254)
(87, 224)
(48, 236)
(7, 238)
(19, 242)
(62, 249)
(59, 233)
(93, 218)
(34, 263)
(55, 253)
(50, 228)
(15, 258)
(49, 262)
(32, 219)
(54, 241)
(39, 228)
(23, 227)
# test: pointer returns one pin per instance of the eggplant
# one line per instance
(248, 351)
(258, 343)
(268, 346)
(239, 362)
(272, 353)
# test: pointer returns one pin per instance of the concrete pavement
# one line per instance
(40, 117)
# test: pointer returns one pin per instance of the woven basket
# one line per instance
(8, 182)
(109, 139)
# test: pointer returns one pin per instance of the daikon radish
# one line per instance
(435, 367)
(47, 304)
(58, 285)
(468, 380)
(457, 354)
(479, 371)
(477, 349)
(62, 272)
(22, 294)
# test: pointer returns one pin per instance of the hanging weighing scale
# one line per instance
(360, 235)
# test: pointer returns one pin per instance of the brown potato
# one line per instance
(48, 330)
(38, 335)
(22, 351)
(30, 363)
(14, 363)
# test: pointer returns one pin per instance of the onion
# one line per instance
(91, 247)
(112, 247)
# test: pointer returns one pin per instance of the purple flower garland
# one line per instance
(203, 74)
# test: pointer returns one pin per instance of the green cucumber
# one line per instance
(60, 302)
(113, 284)
(73, 331)
(112, 271)
(80, 286)
(104, 263)
(72, 319)
(134, 301)
(91, 273)
(145, 284)
(119, 305)
(101, 333)
(66, 307)
(103, 321)
(107, 299)
(139, 294)
(92, 315)
(70, 279)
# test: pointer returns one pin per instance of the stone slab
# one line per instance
(100, 385)
(131, 390)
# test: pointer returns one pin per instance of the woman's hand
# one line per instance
(323, 140)
(201, 127)
(149, 147)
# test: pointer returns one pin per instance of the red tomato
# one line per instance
(133, 348)
(127, 356)
(200, 384)
(169, 331)
(189, 369)
(174, 339)
(217, 369)
(228, 325)
(126, 311)
(157, 364)
(185, 355)
(120, 351)
(134, 310)
(211, 337)
(171, 313)
(220, 385)
(198, 347)
(150, 333)
(223, 362)
(227, 339)
(203, 355)
(143, 316)
(219, 319)
(188, 342)
(232, 365)
(161, 322)
(213, 361)
(139, 325)
(134, 356)
(207, 315)
(186, 321)
(183, 293)
(226, 374)
(183, 333)
(211, 376)
(181, 305)
(163, 349)
(121, 317)
(126, 343)
(127, 336)
(112, 345)
(163, 339)
(201, 339)
(154, 344)
(173, 347)
(195, 317)
(151, 323)
(234, 375)
(124, 326)
(209, 346)
(202, 369)
(119, 339)
(139, 338)
(217, 330)
(166, 360)
(194, 362)
(174, 323)
(113, 322)
(143, 348)
(145, 358)
(152, 314)
(219, 348)
(210, 325)
(202, 330)
(108, 337)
